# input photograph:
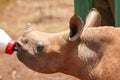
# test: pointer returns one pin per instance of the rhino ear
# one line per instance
(93, 18)
(76, 26)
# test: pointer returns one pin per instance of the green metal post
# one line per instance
(81, 7)
(117, 13)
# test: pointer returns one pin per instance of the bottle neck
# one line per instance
(11, 46)
(14, 48)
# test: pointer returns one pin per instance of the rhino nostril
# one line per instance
(18, 45)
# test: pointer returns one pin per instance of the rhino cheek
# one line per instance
(26, 59)
(39, 63)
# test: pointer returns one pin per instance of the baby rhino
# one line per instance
(88, 53)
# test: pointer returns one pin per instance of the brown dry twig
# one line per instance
(14, 74)
(0, 77)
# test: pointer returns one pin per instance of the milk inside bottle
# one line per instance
(7, 45)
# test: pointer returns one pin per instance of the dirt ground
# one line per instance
(44, 15)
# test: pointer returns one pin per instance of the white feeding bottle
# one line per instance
(7, 45)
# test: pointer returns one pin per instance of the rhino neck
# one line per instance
(88, 53)
(72, 64)
(76, 68)
(92, 47)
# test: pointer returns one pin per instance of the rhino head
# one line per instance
(55, 52)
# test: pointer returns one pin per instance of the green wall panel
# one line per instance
(117, 13)
(81, 7)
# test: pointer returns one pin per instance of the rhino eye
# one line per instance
(39, 47)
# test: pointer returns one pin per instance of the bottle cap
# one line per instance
(10, 46)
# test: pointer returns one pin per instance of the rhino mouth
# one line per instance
(22, 53)
(24, 56)
(20, 49)
(30, 60)
(18, 45)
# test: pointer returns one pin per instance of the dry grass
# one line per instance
(4, 3)
(45, 15)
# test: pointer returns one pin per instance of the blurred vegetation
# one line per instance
(4, 3)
